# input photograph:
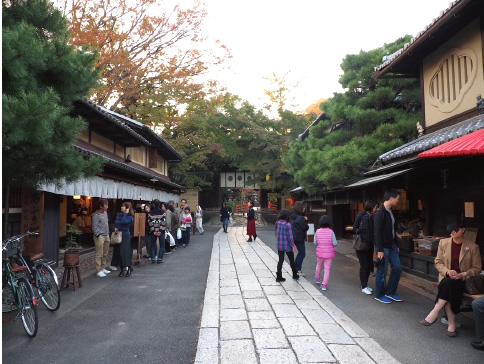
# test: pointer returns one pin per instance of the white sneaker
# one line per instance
(371, 289)
(366, 290)
(101, 274)
(106, 271)
(112, 267)
(300, 273)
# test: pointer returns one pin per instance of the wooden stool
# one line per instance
(66, 278)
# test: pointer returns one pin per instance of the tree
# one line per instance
(148, 54)
(226, 131)
(42, 76)
(370, 118)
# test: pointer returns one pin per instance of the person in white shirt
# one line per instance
(199, 216)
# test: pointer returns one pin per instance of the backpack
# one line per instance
(365, 231)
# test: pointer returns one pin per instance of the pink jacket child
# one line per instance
(325, 241)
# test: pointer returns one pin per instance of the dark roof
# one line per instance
(141, 132)
(434, 139)
(156, 140)
(97, 117)
(119, 163)
(374, 179)
(407, 60)
(305, 134)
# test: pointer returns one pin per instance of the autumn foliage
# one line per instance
(147, 51)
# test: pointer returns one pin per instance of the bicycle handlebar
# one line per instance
(17, 238)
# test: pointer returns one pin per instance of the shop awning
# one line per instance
(380, 178)
(470, 144)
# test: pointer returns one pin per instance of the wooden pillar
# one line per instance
(32, 220)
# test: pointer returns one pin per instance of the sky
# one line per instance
(307, 38)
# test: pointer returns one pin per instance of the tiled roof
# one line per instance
(109, 117)
(128, 125)
(434, 139)
(118, 162)
(389, 59)
(133, 123)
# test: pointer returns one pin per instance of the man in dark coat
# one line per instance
(385, 228)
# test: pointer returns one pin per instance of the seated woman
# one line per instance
(456, 259)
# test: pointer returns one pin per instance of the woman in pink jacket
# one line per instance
(325, 241)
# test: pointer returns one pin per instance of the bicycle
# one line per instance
(41, 276)
(23, 294)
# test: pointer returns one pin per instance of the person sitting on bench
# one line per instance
(456, 258)
(478, 308)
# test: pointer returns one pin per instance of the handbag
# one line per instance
(231, 219)
(475, 284)
(116, 238)
(178, 234)
(170, 238)
(360, 245)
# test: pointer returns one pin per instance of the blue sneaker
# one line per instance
(394, 297)
(316, 280)
(383, 299)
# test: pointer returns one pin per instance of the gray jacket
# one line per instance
(100, 223)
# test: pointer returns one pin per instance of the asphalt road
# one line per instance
(394, 326)
(151, 317)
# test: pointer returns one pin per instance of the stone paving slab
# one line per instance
(249, 318)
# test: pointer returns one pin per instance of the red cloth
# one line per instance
(251, 227)
(454, 254)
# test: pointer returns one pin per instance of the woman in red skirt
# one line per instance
(251, 221)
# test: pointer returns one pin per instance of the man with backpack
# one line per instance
(157, 224)
(385, 228)
(363, 227)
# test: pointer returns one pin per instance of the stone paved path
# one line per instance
(250, 318)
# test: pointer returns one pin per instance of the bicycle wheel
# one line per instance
(28, 307)
(47, 287)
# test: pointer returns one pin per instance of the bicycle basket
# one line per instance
(11, 249)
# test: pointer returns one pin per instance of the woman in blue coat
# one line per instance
(123, 221)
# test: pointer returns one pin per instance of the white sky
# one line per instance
(309, 38)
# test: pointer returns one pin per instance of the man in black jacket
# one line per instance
(385, 228)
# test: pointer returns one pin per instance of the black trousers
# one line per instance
(366, 265)
(290, 255)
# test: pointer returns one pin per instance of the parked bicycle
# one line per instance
(41, 275)
(23, 294)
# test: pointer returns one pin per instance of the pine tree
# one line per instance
(371, 117)
(42, 76)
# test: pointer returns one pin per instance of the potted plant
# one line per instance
(72, 247)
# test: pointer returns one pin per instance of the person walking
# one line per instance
(186, 226)
(225, 213)
(199, 219)
(157, 223)
(385, 227)
(251, 221)
(123, 222)
(363, 227)
(325, 242)
(285, 244)
(100, 228)
(299, 228)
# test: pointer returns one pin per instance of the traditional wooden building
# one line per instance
(441, 173)
(135, 170)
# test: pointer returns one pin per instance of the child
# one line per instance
(186, 226)
(285, 244)
(325, 241)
